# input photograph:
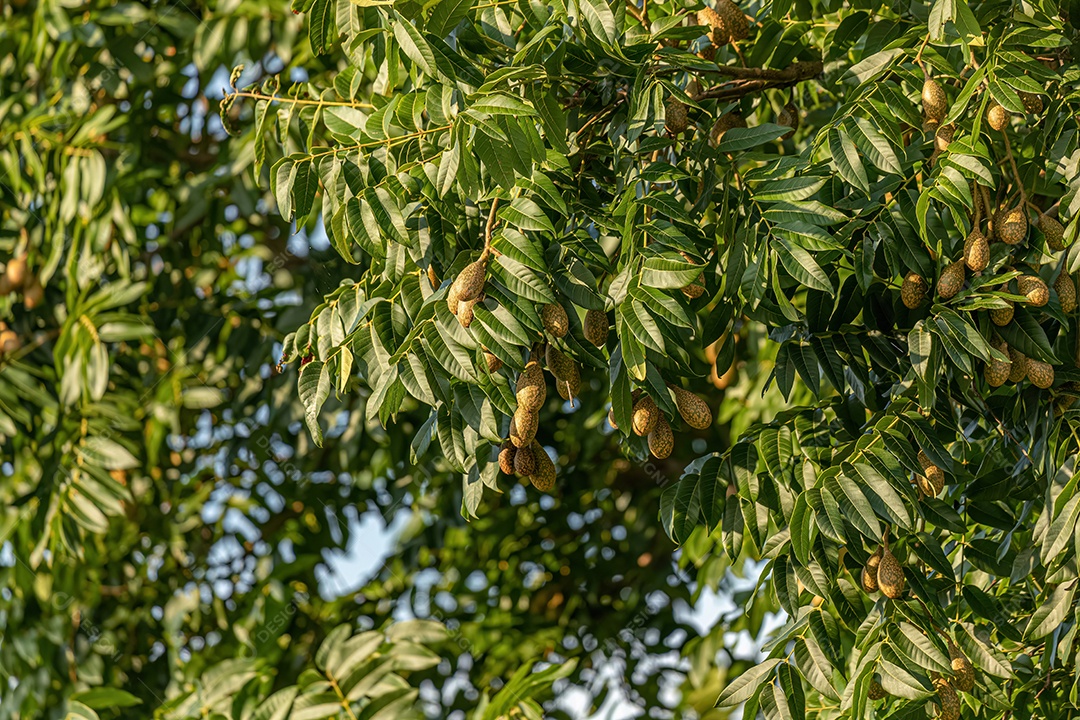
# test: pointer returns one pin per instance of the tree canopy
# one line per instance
(615, 304)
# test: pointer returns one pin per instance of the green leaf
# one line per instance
(600, 20)
(105, 697)
(414, 46)
(526, 215)
(801, 265)
(321, 26)
(738, 139)
(1026, 335)
(446, 15)
(502, 104)
(313, 386)
(1052, 612)
(742, 687)
(846, 160)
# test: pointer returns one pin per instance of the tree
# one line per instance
(887, 193)
(164, 511)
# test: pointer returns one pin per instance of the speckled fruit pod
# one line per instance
(1010, 225)
(725, 122)
(935, 104)
(453, 299)
(465, 312)
(568, 389)
(1053, 231)
(596, 327)
(1003, 316)
(963, 672)
(525, 461)
(506, 457)
(645, 416)
(523, 426)
(951, 280)
(943, 136)
(531, 390)
(494, 364)
(675, 116)
(556, 323)
(694, 411)
(890, 575)
(470, 282)
(1040, 374)
(1066, 291)
(997, 117)
(913, 291)
(788, 117)
(734, 20)
(869, 572)
(1034, 289)
(558, 364)
(661, 439)
(948, 700)
(997, 371)
(976, 251)
(543, 479)
(1033, 102)
(1018, 365)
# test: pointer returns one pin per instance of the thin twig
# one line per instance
(490, 227)
(1016, 172)
(298, 101)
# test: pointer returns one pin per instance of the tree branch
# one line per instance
(754, 80)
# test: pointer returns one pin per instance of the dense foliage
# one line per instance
(164, 510)
(888, 191)
(802, 275)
